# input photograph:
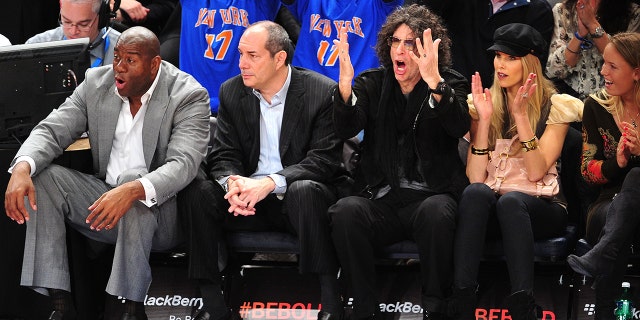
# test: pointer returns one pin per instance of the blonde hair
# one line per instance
(545, 89)
(628, 45)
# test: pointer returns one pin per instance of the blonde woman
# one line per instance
(610, 160)
(523, 103)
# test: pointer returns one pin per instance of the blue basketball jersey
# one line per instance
(210, 34)
(321, 21)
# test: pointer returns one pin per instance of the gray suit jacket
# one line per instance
(309, 148)
(175, 133)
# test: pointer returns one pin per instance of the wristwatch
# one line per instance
(598, 32)
(440, 88)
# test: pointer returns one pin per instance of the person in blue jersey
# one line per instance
(210, 34)
(82, 19)
(320, 23)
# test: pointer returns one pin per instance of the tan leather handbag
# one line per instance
(506, 172)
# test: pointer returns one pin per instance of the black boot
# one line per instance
(462, 304)
(426, 315)
(621, 222)
(521, 306)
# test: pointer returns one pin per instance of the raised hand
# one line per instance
(519, 105)
(481, 98)
(427, 58)
(629, 144)
(586, 12)
(346, 68)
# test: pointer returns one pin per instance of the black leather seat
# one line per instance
(549, 250)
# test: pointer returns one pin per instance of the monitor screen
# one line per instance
(34, 80)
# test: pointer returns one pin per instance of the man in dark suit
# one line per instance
(273, 158)
(148, 128)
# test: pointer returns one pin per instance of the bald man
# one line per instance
(148, 126)
(273, 166)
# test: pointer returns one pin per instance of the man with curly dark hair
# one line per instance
(413, 111)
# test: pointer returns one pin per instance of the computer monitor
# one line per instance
(34, 80)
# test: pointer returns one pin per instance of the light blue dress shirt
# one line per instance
(269, 161)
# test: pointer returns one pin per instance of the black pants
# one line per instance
(518, 218)
(361, 225)
(618, 233)
(302, 212)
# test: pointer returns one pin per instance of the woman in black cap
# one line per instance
(523, 103)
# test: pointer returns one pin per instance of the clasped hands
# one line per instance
(629, 144)
(244, 193)
(586, 13)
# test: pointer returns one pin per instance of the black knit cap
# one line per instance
(518, 39)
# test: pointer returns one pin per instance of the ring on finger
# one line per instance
(526, 94)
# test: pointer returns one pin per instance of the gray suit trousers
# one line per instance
(63, 195)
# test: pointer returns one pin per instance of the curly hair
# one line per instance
(418, 18)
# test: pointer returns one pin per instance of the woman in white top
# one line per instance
(518, 103)
(582, 29)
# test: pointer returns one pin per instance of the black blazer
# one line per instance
(309, 149)
(436, 130)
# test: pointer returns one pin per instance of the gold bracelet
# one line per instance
(530, 144)
(479, 152)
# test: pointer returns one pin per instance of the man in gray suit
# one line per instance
(148, 128)
(274, 158)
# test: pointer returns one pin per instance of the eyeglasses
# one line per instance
(394, 42)
(83, 26)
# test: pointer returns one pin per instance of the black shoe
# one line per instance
(205, 315)
(427, 315)
(522, 306)
(462, 303)
(56, 315)
(126, 316)
(581, 265)
(202, 315)
(323, 315)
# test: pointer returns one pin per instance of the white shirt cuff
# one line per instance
(29, 160)
(223, 183)
(432, 102)
(354, 99)
(281, 183)
(149, 192)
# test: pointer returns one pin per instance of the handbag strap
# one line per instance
(501, 158)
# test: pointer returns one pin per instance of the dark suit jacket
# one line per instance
(309, 149)
(436, 131)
